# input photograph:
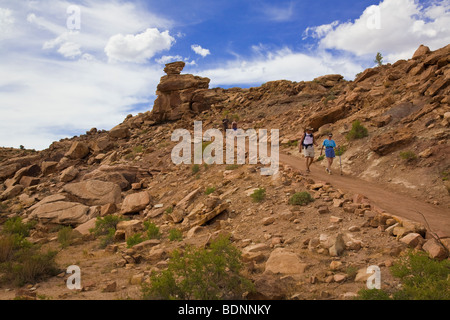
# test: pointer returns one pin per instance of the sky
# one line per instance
(69, 66)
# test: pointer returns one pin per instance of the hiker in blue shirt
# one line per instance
(329, 145)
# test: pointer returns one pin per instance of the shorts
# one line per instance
(329, 153)
(308, 152)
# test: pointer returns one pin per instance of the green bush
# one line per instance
(152, 230)
(65, 236)
(29, 266)
(103, 225)
(107, 239)
(258, 195)
(169, 210)
(320, 158)
(408, 155)
(175, 235)
(135, 239)
(301, 199)
(341, 150)
(195, 168)
(210, 190)
(21, 262)
(358, 131)
(201, 274)
(372, 294)
(16, 226)
(232, 167)
(422, 278)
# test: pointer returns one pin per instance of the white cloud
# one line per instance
(319, 31)
(138, 48)
(46, 101)
(394, 27)
(281, 64)
(6, 23)
(278, 13)
(200, 51)
(43, 99)
(168, 59)
(70, 50)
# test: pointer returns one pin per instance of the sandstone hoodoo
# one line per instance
(114, 203)
(182, 94)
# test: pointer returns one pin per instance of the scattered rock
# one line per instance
(135, 202)
(282, 261)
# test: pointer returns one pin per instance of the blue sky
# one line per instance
(67, 66)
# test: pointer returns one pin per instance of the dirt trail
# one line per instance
(437, 218)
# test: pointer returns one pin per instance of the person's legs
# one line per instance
(307, 163)
(330, 162)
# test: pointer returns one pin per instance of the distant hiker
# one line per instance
(329, 145)
(225, 123)
(307, 144)
(234, 125)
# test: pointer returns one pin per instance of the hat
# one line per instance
(309, 129)
(330, 134)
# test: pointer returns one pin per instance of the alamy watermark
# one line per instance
(73, 21)
(374, 281)
(74, 281)
(374, 19)
(213, 152)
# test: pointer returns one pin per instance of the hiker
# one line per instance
(307, 144)
(225, 123)
(330, 146)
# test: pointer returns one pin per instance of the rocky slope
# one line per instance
(317, 251)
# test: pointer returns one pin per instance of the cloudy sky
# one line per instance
(69, 66)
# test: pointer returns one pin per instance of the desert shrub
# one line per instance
(301, 198)
(422, 278)
(175, 235)
(210, 190)
(169, 210)
(195, 168)
(258, 195)
(320, 158)
(373, 294)
(65, 236)
(152, 230)
(445, 174)
(341, 150)
(7, 246)
(408, 155)
(16, 226)
(21, 262)
(232, 167)
(358, 131)
(135, 239)
(29, 265)
(108, 238)
(200, 273)
(103, 225)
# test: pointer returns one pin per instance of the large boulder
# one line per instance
(61, 212)
(391, 141)
(135, 202)
(328, 116)
(94, 192)
(284, 262)
(420, 52)
(78, 150)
